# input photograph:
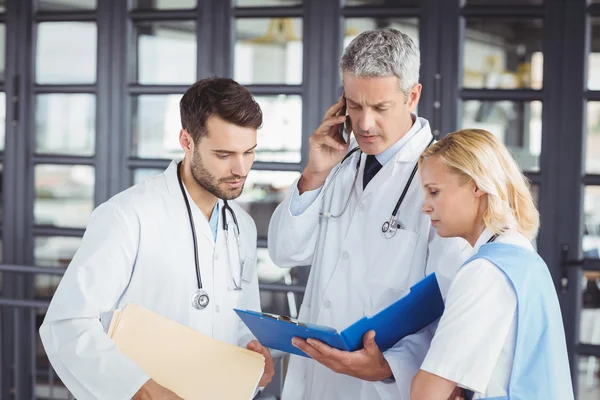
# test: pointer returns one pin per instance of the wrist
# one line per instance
(311, 181)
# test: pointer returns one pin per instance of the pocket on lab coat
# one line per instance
(249, 269)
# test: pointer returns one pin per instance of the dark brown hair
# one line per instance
(222, 97)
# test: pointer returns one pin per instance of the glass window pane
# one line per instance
(500, 53)
(162, 4)
(268, 50)
(354, 26)
(517, 124)
(592, 156)
(155, 126)
(594, 56)
(2, 120)
(589, 378)
(65, 124)
(66, 53)
(263, 191)
(394, 3)
(591, 228)
(64, 195)
(52, 252)
(2, 52)
(280, 137)
(66, 5)
(142, 174)
(165, 53)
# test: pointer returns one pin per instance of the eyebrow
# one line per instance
(233, 152)
(429, 184)
(381, 104)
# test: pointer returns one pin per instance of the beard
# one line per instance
(211, 184)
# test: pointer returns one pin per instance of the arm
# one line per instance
(296, 219)
(428, 386)
(84, 357)
(286, 230)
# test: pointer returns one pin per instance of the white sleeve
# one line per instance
(84, 357)
(287, 231)
(300, 202)
(480, 308)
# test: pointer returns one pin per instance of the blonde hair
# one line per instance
(478, 156)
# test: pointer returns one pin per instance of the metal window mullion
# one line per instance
(38, 159)
(72, 16)
(268, 12)
(161, 15)
(67, 88)
(591, 180)
(136, 89)
(47, 231)
(268, 90)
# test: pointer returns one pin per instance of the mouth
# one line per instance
(234, 184)
(434, 222)
(368, 138)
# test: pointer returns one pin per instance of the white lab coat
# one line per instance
(357, 272)
(138, 245)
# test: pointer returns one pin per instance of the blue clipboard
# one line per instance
(419, 308)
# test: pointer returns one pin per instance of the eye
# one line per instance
(433, 193)
(380, 109)
(223, 156)
(249, 153)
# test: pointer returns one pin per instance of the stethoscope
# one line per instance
(200, 298)
(389, 227)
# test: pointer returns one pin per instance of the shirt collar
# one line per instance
(483, 239)
(389, 153)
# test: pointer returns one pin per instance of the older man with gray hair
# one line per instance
(332, 219)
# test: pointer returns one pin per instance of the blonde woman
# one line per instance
(501, 336)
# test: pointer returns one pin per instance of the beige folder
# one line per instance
(189, 363)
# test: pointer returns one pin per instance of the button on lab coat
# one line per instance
(138, 249)
(356, 272)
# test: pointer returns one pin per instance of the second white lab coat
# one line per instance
(356, 272)
(138, 249)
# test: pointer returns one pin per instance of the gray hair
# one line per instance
(381, 53)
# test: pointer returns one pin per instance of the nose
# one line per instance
(366, 120)
(239, 167)
(427, 208)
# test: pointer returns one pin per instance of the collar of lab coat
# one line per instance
(408, 153)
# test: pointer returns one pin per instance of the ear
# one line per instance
(186, 141)
(476, 191)
(414, 96)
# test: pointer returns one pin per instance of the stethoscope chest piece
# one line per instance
(200, 299)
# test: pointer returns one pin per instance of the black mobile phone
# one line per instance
(345, 126)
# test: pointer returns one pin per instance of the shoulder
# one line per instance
(131, 201)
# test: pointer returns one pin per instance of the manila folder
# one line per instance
(189, 363)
